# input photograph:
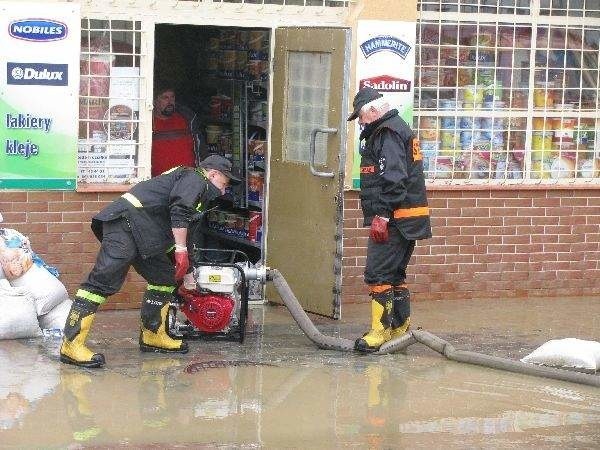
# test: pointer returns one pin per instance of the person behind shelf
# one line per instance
(141, 229)
(394, 205)
(176, 136)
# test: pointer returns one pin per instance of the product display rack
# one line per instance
(507, 101)
(230, 220)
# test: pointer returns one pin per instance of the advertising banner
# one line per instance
(385, 61)
(39, 88)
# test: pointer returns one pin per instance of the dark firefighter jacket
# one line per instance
(154, 206)
(391, 177)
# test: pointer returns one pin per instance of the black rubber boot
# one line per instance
(401, 316)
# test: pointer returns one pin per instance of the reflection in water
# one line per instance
(76, 387)
(307, 398)
(509, 422)
(26, 376)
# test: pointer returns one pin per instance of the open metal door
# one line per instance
(305, 203)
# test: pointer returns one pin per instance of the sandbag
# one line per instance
(570, 352)
(55, 318)
(18, 318)
(47, 291)
(14, 262)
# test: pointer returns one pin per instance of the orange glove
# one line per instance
(182, 262)
(379, 229)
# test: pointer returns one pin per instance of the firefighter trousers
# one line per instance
(117, 253)
(387, 261)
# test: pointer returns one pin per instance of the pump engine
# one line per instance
(212, 302)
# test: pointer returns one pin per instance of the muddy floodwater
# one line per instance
(278, 391)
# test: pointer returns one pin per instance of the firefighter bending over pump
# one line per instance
(140, 229)
(394, 205)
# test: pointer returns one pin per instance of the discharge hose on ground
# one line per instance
(421, 336)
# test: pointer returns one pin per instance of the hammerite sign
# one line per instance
(383, 43)
(386, 83)
(385, 61)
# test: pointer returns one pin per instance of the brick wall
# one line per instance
(493, 243)
(58, 226)
(487, 243)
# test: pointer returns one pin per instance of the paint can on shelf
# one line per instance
(564, 128)
(428, 128)
(254, 224)
(256, 183)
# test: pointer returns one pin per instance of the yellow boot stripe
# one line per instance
(82, 293)
(153, 287)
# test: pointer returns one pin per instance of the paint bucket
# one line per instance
(543, 95)
(258, 69)
(448, 123)
(242, 40)
(227, 63)
(444, 166)
(564, 128)
(562, 167)
(256, 183)
(470, 123)
(541, 140)
(213, 134)
(212, 63)
(540, 169)
(214, 44)
(542, 124)
(589, 168)
(428, 128)
(241, 63)
(258, 40)
(448, 104)
(582, 136)
(449, 139)
(473, 94)
(227, 40)
(254, 223)
(566, 149)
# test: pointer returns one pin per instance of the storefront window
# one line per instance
(504, 100)
(109, 101)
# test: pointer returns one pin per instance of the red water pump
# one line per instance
(212, 302)
(207, 312)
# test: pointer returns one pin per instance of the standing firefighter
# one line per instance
(394, 205)
(139, 229)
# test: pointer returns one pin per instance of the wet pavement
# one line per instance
(278, 391)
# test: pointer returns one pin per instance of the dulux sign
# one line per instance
(37, 30)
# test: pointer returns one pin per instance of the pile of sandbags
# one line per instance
(31, 297)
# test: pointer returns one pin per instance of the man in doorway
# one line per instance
(176, 140)
(140, 229)
(394, 205)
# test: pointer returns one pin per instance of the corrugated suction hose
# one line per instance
(421, 336)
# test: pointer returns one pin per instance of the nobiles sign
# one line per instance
(39, 86)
